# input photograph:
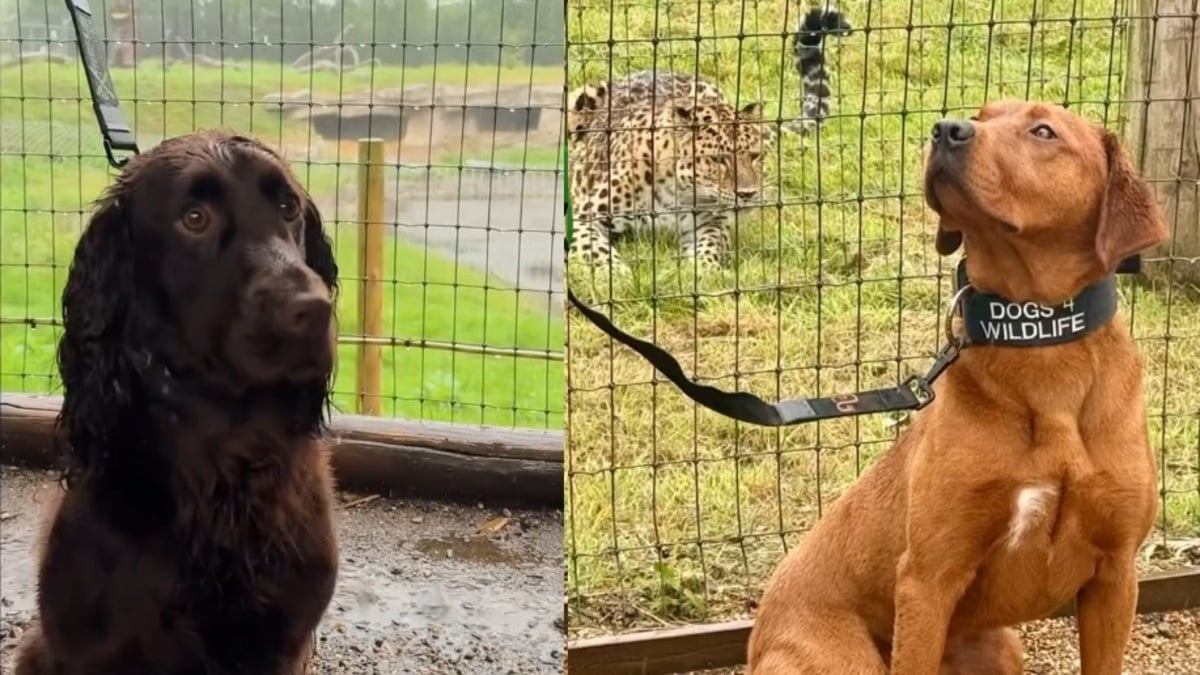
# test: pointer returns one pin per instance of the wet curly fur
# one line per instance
(194, 535)
(662, 148)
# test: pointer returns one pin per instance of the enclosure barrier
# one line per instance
(394, 457)
(370, 262)
(722, 645)
(836, 284)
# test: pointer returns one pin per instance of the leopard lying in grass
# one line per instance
(661, 148)
(669, 149)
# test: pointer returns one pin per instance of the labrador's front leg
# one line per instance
(925, 602)
(1106, 606)
(939, 564)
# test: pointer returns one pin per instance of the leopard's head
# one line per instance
(719, 149)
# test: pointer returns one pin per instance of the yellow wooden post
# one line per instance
(370, 265)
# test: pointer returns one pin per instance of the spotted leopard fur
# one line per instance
(809, 57)
(664, 149)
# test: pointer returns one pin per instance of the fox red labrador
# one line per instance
(1029, 480)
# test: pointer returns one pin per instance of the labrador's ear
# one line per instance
(1130, 219)
(948, 241)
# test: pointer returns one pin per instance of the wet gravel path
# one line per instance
(423, 587)
(1162, 644)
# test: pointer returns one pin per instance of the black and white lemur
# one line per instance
(809, 55)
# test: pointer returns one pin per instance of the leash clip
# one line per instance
(921, 386)
(114, 161)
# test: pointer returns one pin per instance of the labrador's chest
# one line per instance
(1059, 527)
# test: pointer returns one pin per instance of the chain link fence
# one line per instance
(466, 98)
(831, 283)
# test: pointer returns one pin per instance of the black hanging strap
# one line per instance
(117, 134)
(913, 394)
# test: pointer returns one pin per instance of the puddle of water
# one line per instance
(373, 600)
(18, 559)
(472, 549)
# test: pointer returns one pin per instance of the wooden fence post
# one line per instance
(370, 266)
(1162, 131)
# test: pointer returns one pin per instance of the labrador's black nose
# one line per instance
(953, 133)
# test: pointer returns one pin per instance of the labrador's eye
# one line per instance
(195, 219)
(1044, 132)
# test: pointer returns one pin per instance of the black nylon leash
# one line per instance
(988, 320)
(913, 394)
(117, 134)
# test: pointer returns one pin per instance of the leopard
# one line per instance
(665, 149)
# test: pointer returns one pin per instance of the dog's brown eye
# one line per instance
(195, 219)
(289, 208)
(1043, 132)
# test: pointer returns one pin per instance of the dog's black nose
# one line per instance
(306, 314)
(953, 133)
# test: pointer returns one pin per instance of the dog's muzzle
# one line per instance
(948, 146)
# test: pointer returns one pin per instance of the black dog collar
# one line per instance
(992, 320)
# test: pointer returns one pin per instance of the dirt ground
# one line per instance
(1162, 644)
(419, 591)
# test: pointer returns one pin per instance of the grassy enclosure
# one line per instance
(677, 514)
(52, 168)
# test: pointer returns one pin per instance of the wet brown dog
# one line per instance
(1029, 480)
(195, 533)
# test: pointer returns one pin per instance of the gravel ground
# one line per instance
(419, 591)
(1162, 644)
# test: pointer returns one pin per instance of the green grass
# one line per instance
(527, 157)
(677, 514)
(178, 99)
(44, 203)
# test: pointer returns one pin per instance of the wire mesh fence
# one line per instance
(466, 99)
(830, 282)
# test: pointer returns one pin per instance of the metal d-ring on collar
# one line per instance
(922, 385)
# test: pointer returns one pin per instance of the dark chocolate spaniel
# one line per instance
(194, 534)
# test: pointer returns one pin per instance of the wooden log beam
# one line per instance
(723, 645)
(1161, 121)
(391, 456)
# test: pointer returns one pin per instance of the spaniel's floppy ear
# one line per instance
(1130, 219)
(97, 381)
(318, 252)
(311, 405)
